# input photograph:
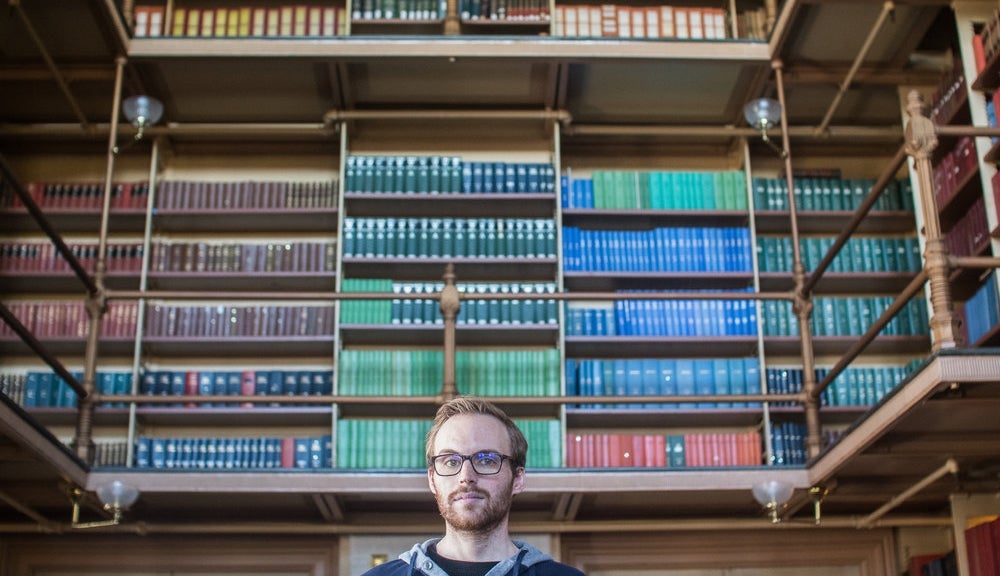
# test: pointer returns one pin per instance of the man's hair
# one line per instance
(473, 405)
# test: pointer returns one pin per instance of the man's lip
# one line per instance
(467, 496)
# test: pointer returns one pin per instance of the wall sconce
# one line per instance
(762, 114)
(141, 111)
(116, 496)
(772, 495)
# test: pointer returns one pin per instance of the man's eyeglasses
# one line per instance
(484, 463)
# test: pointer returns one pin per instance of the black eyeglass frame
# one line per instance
(432, 462)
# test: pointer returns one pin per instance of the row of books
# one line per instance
(987, 41)
(248, 382)
(221, 320)
(449, 237)
(45, 389)
(81, 195)
(954, 169)
(657, 190)
(43, 256)
(245, 194)
(626, 377)
(246, 257)
(752, 24)
(948, 97)
(982, 311)
(445, 175)
(788, 446)
(855, 386)
(684, 317)
(412, 10)
(592, 450)
(361, 443)
(290, 20)
(57, 319)
(107, 453)
(617, 21)
(846, 316)
(982, 544)
(504, 10)
(823, 194)
(243, 453)
(524, 372)
(696, 249)
(971, 233)
(859, 254)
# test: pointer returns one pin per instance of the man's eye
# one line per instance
(488, 458)
(452, 461)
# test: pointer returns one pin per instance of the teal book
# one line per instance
(721, 383)
(685, 380)
(676, 457)
(650, 379)
(736, 370)
(633, 378)
(751, 376)
(668, 380)
(704, 381)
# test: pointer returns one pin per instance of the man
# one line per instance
(475, 465)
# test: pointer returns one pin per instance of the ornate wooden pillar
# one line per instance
(450, 305)
(921, 140)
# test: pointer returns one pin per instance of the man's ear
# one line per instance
(430, 481)
(518, 484)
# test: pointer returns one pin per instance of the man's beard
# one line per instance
(480, 521)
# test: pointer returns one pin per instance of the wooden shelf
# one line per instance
(74, 221)
(244, 281)
(659, 346)
(320, 220)
(649, 219)
(242, 347)
(61, 346)
(259, 415)
(611, 281)
(679, 417)
(833, 221)
(61, 282)
(451, 205)
(466, 269)
(842, 282)
(465, 335)
(838, 345)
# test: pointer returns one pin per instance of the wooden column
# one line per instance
(921, 140)
(450, 305)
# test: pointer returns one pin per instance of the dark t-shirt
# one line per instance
(458, 567)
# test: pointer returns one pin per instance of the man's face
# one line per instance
(468, 501)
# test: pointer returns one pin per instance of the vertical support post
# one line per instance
(802, 306)
(450, 305)
(921, 140)
(452, 23)
(97, 304)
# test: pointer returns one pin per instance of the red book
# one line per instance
(288, 452)
(191, 387)
(247, 386)
(978, 52)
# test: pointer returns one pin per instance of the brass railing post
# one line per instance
(802, 305)
(97, 302)
(921, 140)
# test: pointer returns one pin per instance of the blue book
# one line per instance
(618, 382)
(704, 381)
(595, 380)
(668, 380)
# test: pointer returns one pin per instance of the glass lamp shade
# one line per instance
(142, 110)
(762, 112)
(772, 492)
(117, 495)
